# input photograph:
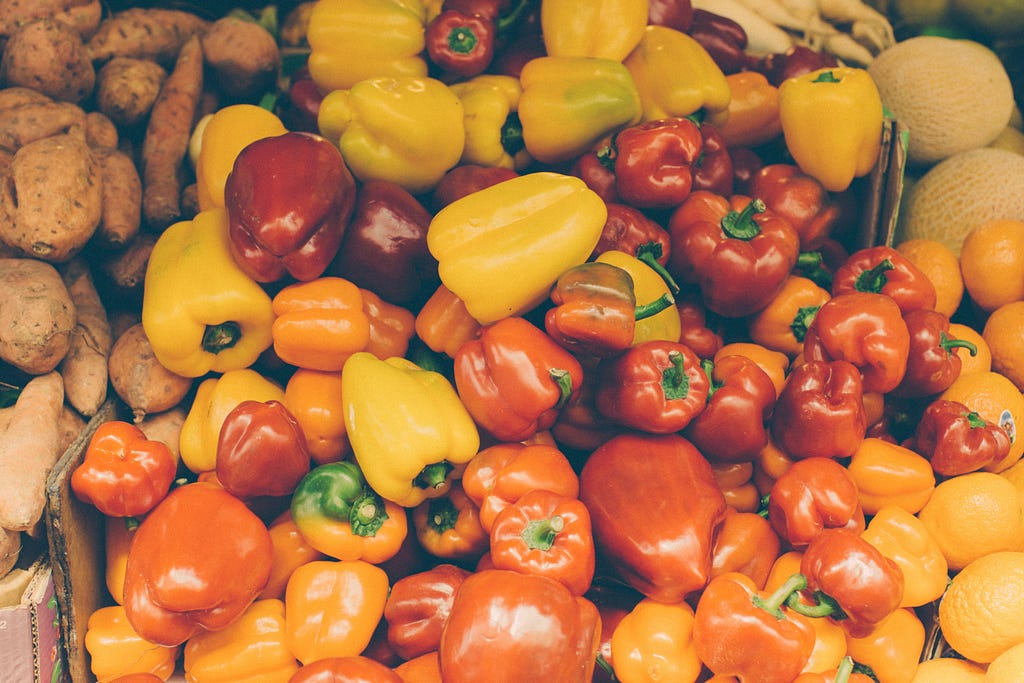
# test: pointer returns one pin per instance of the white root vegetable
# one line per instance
(866, 20)
(847, 49)
(763, 36)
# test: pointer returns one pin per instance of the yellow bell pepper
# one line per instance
(648, 287)
(200, 311)
(224, 135)
(115, 649)
(675, 75)
(893, 650)
(500, 249)
(251, 649)
(405, 129)
(655, 637)
(609, 29)
(352, 40)
(832, 123)
(887, 473)
(117, 538)
(494, 134)
(570, 103)
(904, 539)
(215, 398)
(410, 433)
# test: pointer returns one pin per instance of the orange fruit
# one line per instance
(992, 263)
(941, 265)
(1007, 667)
(982, 358)
(995, 398)
(1004, 334)
(948, 670)
(1015, 474)
(982, 613)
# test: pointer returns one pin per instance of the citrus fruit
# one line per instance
(992, 263)
(974, 514)
(942, 267)
(995, 398)
(948, 670)
(982, 357)
(982, 613)
(1007, 667)
(1015, 474)
(1004, 334)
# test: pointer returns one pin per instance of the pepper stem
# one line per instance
(217, 338)
(826, 77)
(442, 514)
(367, 514)
(874, 279)
(653, 308)
(539, 534)
(949, 343)
(823, 606)
(462, 40)
(802, 321)
(741, 224)
(508, 21)
(563, 379)
(844, 670)
(512, 135)
(674, 380)
(649, 254)
(811, 265)
(433, 476)
(789, 589)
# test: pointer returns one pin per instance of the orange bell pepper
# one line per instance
(117, 535)
(781, 325)
(319, 323)
(314, 398)
(655, 636)
(893, 649)
(116, 649)
(444, 323)
(423, 669)
(752, 117)
(890, 474)
(746, 543)
(829, 645)
(737, 484)
(773, 362)
(771, 463)
(449, 526)
(291, 551)
(843, 672)
(904, 539)
(785, 565)
(252, 648)
(391, 326)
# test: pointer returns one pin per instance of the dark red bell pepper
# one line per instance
(812, 495)
(696, 331)
(932, 361)
(713, 170)
(654, 162)
(677, 14)
(800, 199)
(459, 43)
(594, 311)
(724, 39)
(628, 229)
(418, 606)
(797, 60)
(957, 440)
(289, 199)
(465, 179)
(663, 551)
(303, 103)
(596, 168)
(882, 269)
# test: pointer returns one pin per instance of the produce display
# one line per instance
(516, 340)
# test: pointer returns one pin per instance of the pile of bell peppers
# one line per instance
(544, 351)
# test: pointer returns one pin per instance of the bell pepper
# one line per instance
(736, 481)
(820, 411)
(654, 162)
(570, 102)
(774, 363)
(893, 650)
(887, 473)
(300, 108)
(696, 329)
(713, 170)
(391, 326)
(795, 61)
(596, 167)
(745, 543)
(741, 631)
(865, 329)
(546, 534)
(594, 310)
(844, 673)
(333, 608)
(733, 425)
(460, 44)
(899, 535)
(957, 440)
(547, 633)
(123, 473)
(418, 606)
(852, 582)
(444, 323)
(251, 648)
(580, 427)
(629, 229)
(656, 387)
(466, 178)
(291, 550)
(175, 583)
(832, 123)
(501, 474)
(449, 526)
(115, 649)
(882, 269)
(410, 433)
(655, 636)
(537, 226)
(675, 75)
(663, 551)
(215, 398)
(724, 39)
(352, 41)
(800, 199)
(829, 646)
(736, 251)
(423, 669)
(607, 30)
(356, 669)
(313, 398)
(671, 13)
(932, 361)
(117, 538)
(651, 290)
(752, 117)
(783, 323)
(200, 311)
(494, 134)
(814, 494)
(513, 378)
(340, 516)
(319, 323)
(369, 123)
(289, 198)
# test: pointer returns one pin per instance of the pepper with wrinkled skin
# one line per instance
(494, 134)
(608, 29)
(800, 199)
(320, 323)
(782, 324)
(200, 311)
(594, 310)
(261, 450)
(418, 606)
(814, 494)
(449, 526)
(882, 269)
(957, 440)
(887, 473)
(115, 649)
(654, 162)
(903, 538)
(651, 288)
(752, 118)
(654, 636)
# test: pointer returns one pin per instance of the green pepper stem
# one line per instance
(844, 670)
(131, 523)
(217, 338)
(827, 77)
(462, 40)
(708, 366)
(563, 379)
(539, 534)
(811, 264)
(823, 606)
(508, 21)
(949, 343)
(649, 254)
(741, 225)
(975, 421)
(433, 476)
(367, 514)
(442, 514)
(512, 135)
(874, 279)
(802, 321)
(675, 383)
(653, 308)
(773, 603)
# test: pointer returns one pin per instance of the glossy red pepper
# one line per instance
(418, 607)
(695, 330)
(654, 162)
(932, 361)
(957, 440)
(798, 198)
(745, 543)
(628, 229)
(357, 669)
(882, 269)
(289, 199)
(594, 310)
(724, 39)
(797, 60)
(713, 170)
(866, 329)
(459, 43)
(596, 168)
(663, 551)
(465, 179)
(677, 14)
(812, 495)
(303, 103)
(655, 386)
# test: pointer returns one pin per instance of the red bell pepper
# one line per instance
(798, 198)
(655, 386)
(866, 329)
(812, 495)
(733, 425)
(580, 428)
(713, 169)
(628, 229)
(694, 329)
(745, 543)
(677, 14)
(123, 473)
(654, 162)
(663, 551)
(820, 411)
(957, 440)
(594, 312)
(724, 39)
(932, 361)
(882, 269)
(507, 626)
(460, 43)
(596, 168)
(797, 60)
(514, 378)
(465, 179)
(357, 669)
(418, 607)
(289, 199)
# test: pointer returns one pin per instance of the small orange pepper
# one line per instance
(893, 649)
(291, 551)
(735, 479)
(314, 398)
(655, 636)
(887, 473)
(752, 117)
(319, 323)
(786, 564)
(774, 363)
(117, 537)
(829, 646)
(391, 326)
(444, 323)
(771, 463)
(745, 542)
(116, 649)
(904, 539)
(781, 325)
(449, 526)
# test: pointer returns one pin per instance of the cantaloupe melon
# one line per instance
(952, 94)
(961, 192)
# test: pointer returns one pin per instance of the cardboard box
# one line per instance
(30, 648)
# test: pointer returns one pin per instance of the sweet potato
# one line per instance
(29, 447)
(25, 123)
(165, 143)
(69, 426)
(121, 214)
(242, 56)
(82, 15)
(127, 87)
(49, 56)
(84, 367)
(145, 32)
(10, 549)
(37, 315)
(166, 428)
(51, 198)
(122, 272)
(138, 378)
(100, 131)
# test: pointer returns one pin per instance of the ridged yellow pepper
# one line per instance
(215, 398)
(648, 287)
(200, 312)
(352, 40)
(410, 433)
(405, 129)
(115, 649)
(609, 29)
(500, 249)
(494, 134)
(675, 75)
(569, 103)
(832, 122)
